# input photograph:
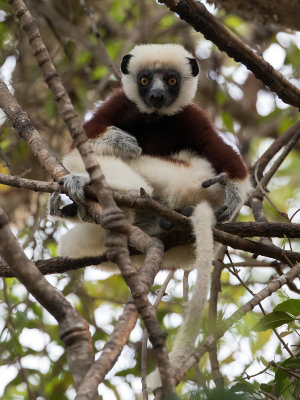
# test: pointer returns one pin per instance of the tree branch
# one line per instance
(112, 218)
(190, 360)
(74, 330)
(195, 13)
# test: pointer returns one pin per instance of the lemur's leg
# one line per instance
(236, 192)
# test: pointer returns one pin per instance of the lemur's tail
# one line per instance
(202, 220)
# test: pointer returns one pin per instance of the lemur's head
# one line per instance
(160, 78)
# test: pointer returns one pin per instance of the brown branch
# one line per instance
(57, 265)
(235, 272)
(30, 184)
(226, 324)
(261, 229)
(74, 330)
(195, 13)
(145, 202)
(275, 147)
(287, 149)
(212, 321)
(126, 322)
(112, 218)
(256, 247)
(28, 132)
(145, 337)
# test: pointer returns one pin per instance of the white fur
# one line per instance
(118, 174)
(178, 184)
(85, 239)
(202, 220)
(157, 56)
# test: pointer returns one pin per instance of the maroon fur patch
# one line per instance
(161, 136)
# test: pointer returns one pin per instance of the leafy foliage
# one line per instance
(32, 358)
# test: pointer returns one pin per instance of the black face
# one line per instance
(158, 88)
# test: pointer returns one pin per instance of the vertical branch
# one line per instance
(212, 313)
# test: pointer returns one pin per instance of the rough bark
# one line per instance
(284, 13)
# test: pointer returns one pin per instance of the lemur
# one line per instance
(150, 134)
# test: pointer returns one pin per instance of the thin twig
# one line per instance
(191, 359)
(235, 272)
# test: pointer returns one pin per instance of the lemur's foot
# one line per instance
(167, 225)
(74, 186)
(54, 204)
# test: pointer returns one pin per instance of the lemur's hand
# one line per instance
(120, 143)
(74, 185)
(231, 200)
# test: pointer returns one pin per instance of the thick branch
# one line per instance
(256, 247)
(30, 184)
(57, 265)
(202, 21)
(261, 229)
(112, 219)
(126, 322)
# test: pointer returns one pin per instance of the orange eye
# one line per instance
(144, 81)
(172, 81)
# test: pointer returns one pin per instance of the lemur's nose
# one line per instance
(157, 98)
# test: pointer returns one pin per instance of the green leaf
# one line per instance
(272, 320)
(291, 363)
(264, 361)
(291, 306)
(243, 387)
(228, 122)
(266, 388)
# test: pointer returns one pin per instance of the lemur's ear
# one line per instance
(194, 66)
(124, 63)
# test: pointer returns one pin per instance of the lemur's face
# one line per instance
(159, 78)
(158, 88)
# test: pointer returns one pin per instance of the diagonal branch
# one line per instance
(74, 330)
(195, 14)
(112, 218)
(190, 360)
(126, 322)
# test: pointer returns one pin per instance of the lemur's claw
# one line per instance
(187, 211)
(165, 225)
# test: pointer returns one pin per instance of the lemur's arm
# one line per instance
(107, 138)
(231, 169)
(107, 127)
